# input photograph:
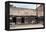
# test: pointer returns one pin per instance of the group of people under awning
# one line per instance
(27, 20)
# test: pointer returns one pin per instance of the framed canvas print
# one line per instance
(24, 15)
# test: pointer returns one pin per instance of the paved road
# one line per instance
(26, 26)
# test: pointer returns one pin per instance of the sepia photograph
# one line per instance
(25, 15)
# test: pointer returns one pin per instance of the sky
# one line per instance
(22, 5)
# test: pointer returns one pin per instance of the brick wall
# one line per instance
(22, 11)
(40, 10)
